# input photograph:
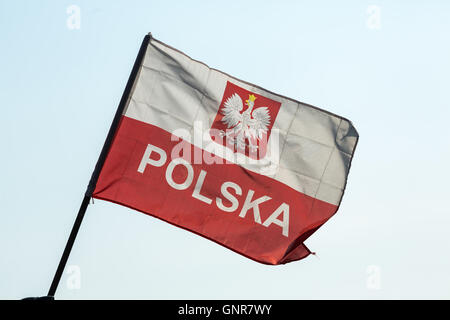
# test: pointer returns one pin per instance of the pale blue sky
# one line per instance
(60, 89)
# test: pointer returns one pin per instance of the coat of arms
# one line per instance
(245, 127)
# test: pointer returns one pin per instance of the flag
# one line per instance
(252, 170)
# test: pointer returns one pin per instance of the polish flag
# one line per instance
(252, 170)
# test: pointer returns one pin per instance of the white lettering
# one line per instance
(282, 209)
(230, 191)
(198, 188)
(169, 174)
(229, 196)
(147, 160)
(249, 204)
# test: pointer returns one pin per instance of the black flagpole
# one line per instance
(98, 166)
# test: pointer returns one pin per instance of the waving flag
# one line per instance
(252, 170)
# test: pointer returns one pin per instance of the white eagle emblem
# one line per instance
(250, 124)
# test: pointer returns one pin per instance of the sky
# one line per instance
(382, 64)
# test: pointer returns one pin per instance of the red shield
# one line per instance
(250, 131)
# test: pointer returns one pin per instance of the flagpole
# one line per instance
(98, 167)
(69, 245)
